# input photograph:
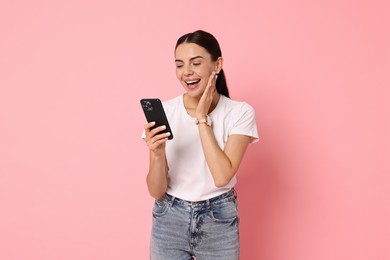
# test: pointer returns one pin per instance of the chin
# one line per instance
(198, 91)
(195, 92)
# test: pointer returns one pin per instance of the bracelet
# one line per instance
(206, 120)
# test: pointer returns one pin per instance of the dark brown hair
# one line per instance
(210, 43)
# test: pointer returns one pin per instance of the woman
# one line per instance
(192, 176)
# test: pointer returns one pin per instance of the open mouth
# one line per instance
(192, 83)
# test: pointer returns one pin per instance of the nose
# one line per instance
(187, 70)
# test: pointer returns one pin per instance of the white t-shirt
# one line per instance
(189, 176)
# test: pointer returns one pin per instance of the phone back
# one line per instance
(154, 112)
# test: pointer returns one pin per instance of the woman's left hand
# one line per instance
(202, 110)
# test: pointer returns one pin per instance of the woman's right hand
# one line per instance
(154, 139)
(157, 178)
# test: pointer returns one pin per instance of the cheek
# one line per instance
(203, 72)
(208, 70)
(178, 73)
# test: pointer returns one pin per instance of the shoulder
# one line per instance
(241, 119)
(236, 106)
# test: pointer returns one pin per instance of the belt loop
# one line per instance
(172, 200)
(234, 192)
(208, 204)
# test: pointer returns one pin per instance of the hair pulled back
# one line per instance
(210, 43)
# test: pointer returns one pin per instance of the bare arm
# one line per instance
(223, 164)
(157, 178)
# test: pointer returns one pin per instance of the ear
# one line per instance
(218, 64)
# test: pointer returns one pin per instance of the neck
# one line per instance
(191, 103)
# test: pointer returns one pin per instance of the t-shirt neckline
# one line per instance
(188, 116)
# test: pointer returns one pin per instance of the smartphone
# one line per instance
(154, 112)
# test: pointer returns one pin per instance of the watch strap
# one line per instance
(205, 120)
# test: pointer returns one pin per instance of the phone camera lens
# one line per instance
(147, 105)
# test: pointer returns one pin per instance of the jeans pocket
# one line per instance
(226, 212)
(160, 208)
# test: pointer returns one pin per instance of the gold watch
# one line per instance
(206, 120)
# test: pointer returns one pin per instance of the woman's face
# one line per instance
(194, 67)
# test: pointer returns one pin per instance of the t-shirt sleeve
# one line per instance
(246, 123)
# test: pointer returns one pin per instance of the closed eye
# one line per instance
(179, 64)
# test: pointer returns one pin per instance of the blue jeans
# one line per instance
(207, 230)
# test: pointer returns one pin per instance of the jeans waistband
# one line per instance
(172, 200)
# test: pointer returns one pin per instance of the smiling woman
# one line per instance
(192, 176)
(211, 51)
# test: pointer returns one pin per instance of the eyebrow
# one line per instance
(193, 58)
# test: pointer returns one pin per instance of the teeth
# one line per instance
(192, 82)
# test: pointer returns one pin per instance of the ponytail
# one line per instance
(210, 43)
(221, 85)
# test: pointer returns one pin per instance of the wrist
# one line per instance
(157, 154)
(200, 116)
(203, 120)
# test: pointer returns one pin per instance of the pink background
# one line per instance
(73, 166)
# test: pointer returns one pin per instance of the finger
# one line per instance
(158, 143)
(211, 79)
(158, 139)
(157, 130)
(150, 134)
(163, 135)
(210, 84)
(149, 125)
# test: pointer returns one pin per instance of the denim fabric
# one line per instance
(207, 230)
